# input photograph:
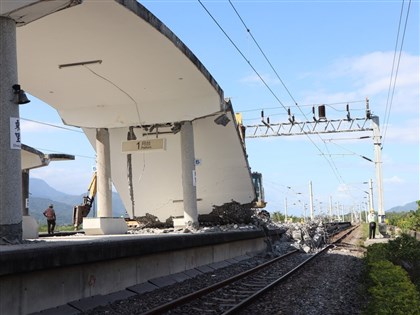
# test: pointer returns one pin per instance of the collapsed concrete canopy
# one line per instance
(153, 183)
(109, 64)
(112, 64)
(32, 158)
(27, 11)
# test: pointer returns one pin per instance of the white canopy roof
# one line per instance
(112, 64)
(109, 64)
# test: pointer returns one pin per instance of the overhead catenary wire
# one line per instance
(55, 151)
(352, 152)
(262, 52)
(330, 162)
(393, 78)
(243, 56)
(330, 105)
(51, 125)
(59, 127)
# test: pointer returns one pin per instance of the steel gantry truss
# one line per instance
(322, 125)
(266, 129)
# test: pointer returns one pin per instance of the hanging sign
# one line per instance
(144, 145)
(15, 133)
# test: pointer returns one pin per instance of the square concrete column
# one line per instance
(104, 224)
(103, 171)
(188, 174)
(10, 159)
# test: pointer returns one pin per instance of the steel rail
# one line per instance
(192, 296)
(252, 297)
(195, 295)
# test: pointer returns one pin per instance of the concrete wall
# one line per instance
(43, 288)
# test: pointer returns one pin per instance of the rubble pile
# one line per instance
(308, 237)
(151, 221)
(229, 213)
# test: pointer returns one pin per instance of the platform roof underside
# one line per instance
(144, 75)
(141, 73)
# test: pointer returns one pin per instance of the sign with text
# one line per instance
(144, 145)
(15, 133)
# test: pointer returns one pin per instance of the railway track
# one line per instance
(233, 294)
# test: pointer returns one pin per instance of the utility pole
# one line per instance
(371, 206)
(378, 167)
(331, 209)
(311, 201)
(285, 209)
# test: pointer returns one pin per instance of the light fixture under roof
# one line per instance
(82, 63)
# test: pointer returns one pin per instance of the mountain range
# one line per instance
(41, 195)
(407, 207)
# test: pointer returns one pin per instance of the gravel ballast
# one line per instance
(330, 285)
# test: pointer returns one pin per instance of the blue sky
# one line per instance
(325, 52)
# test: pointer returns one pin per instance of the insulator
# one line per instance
(321, 112)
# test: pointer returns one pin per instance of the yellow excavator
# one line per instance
(257, 181)
(81, 211)
(259, 191)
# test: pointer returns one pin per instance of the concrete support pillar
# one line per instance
(311, 201)
(25, 192)
(188, 174)
(10, 159)
(103, 172)
(378, 167)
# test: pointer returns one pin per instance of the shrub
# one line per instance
(405, 252)
(390, 290)
(377, 252)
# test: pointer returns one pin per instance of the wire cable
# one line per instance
(390, 97)
(331, 163)
(51, 125)
(55, 151)
(262, 52)
(243, 56)
(331, 105)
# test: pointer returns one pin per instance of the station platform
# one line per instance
(79, 267)
(377, 240)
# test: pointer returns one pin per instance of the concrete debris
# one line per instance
(231, 213)
(307, 237)
(151, 221)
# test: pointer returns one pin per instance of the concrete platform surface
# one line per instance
(81, 271)
(60, 251)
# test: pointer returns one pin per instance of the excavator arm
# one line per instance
(81, 211)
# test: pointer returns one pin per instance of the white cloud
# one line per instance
(30, 126)
(369, 76)
(409, 132)
(393, 180)
(256, 80)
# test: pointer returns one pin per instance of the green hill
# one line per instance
(41, 195)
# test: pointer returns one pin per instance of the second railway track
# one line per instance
(231, 295)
